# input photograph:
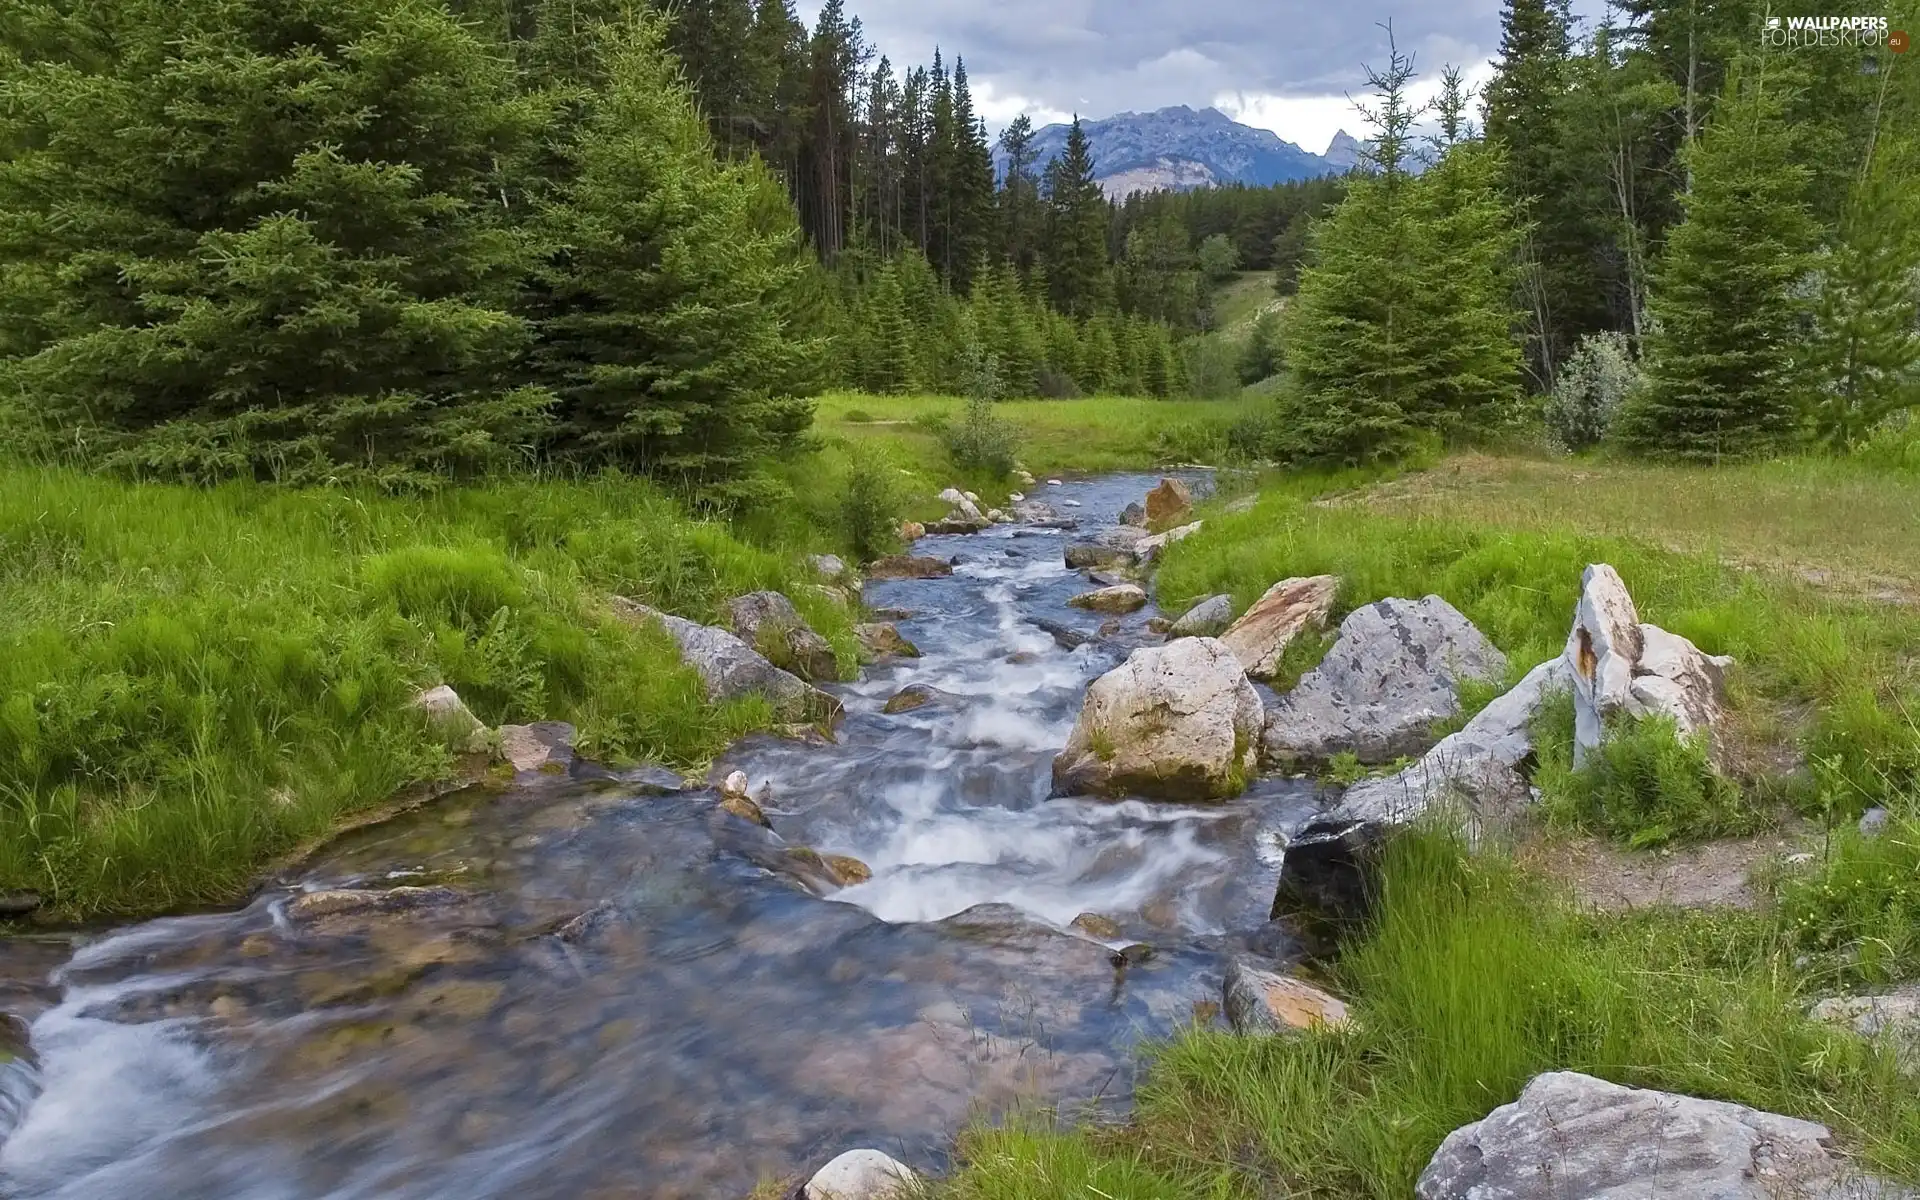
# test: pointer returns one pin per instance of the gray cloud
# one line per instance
(1099, 57)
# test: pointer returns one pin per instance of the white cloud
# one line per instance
(1311, 121)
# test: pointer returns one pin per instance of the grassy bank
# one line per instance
(194, 680)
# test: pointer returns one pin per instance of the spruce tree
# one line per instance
(1725, 361)
(1076, 254)
(664, 313)
(241, 237)
(890, 369)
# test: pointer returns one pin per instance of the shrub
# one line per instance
(1645, 786)
(1592, 386)
(1861, 905)
(1260, 356)
(982, 441)
(870, 506)
(1213, 368)
(1051, 384)
(858, 416)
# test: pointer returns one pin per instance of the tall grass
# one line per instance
(193, 680)
(1475, 978)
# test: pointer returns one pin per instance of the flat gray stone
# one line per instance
(1208, 618)
(730, 669)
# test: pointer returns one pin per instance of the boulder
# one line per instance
(1174, 722)
(730, 669)
(861, 1175)
(1892, 1019)
(1134, 514)
(1263, 632)
(830, 567)
(914, 695)
(999, 517)
(1873, 822)
(883, 639)
(1104, 929)
(1621, 666)
(453, 721)
(1147, 549)
(1063, 636)
(1573, 1135)
(1055, 483)
(1261, 1001)
(734, 799)
(912, 531)
(963, 513)
(1042, 514)
(1169, 504)
(1109, 547)
(909, 566)
(1023, 477)
(770, 623)
(541, 746)
(1208, 618)
(1327, 866)
(1121, 598)
(846, 869)
(1395, 670)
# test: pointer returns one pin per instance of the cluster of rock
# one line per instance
(544, 746)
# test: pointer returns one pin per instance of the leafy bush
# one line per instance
(1052, 384)
(1645, 786)
(982, 441)
(1593, 384)
(870, 506)
(1217, 257)
(1213, 368)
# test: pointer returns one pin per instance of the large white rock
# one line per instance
(1148, 548)
(1571, 1135)
(1263, 632)
(1621, 666)
(768, 621)
(1395, 671)
(1175, 722)
(861, 1175)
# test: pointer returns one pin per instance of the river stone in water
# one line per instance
(1120, 598)
(1262, 1001)
(1573, 1135)
(909, 566)
(730, 669)
(1110, 547)
(1208, 618)
(1263, 632)
(1175, 722)
(1395, 671)
(1168, 504)
(769, 622)
(861, 1175)
(914, 695)
(1134, 514)
(883, 639)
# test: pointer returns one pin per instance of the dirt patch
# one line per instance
(1608, 877)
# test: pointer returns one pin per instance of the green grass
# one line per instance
(1241, 299)
(192, 681)
(1475, 979)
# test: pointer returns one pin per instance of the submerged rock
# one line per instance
(1208, 618)
(1573, 1135)
(770, 623)
(1041, 514)
(1174, 722)
(1395, 671)
(1168, 504)
(309, 906)
(730, 669)
(1096, 926)
(1067, 638)
(914, 695)
(1262, 1001)
(861, 1175)
(909, 566)
(734, 799)
(1290, 607)
(453, 721)
(883, 639)
(1119, 598)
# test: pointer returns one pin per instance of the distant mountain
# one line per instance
(1180, 148)
(1343, 153)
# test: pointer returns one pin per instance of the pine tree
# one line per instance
(240, 238)
(1866, 349)
(890, 333)
(1021, 219)
(1076, 229)
(1725, 364)
(664, 314)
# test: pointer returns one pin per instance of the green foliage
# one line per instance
(214, 263)
(1217, 258)
(1213, 367)
(1724, 376)
(1645, 786)
(1076, 229)
(664, 313)
(1594, 383)
(1859, 906)
(1261, 354)
(982, 441)
(870, 505)
(170, 719)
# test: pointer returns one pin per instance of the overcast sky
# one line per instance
(1285, 65)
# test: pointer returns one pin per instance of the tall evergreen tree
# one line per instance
(663, 313)
(1725, 360)
(208, 278)
(1021, 218)
(1076, 229)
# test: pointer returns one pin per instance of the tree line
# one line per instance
(1689, 240)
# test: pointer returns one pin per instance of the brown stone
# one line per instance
(909, 566)
(847, 869)
(1168, 504)
(1263, 632)
(1122, 598)
(1096, 926)
(883, 639)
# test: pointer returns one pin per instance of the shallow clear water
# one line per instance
(711, 1023)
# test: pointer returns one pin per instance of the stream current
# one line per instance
(619, 992)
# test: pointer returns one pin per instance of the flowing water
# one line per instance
(613, 992)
